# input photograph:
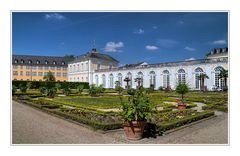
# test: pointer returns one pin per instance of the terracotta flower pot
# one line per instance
(134, 129)
(182, 106)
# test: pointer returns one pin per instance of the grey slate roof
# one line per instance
(167, 64)
(39, 60)
(96, 55)
(218, 50)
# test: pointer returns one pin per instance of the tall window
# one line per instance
(166, 79)
(218, 82)
(129, 75)
(181, 76)
(111, 80)
(96, 80)
(104, 81)
(120, 79)
(140, 75)
(87, 66)
(152, 78)
(198, 72)
(98, 66)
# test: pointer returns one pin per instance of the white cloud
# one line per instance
(190, 59)
(218, 42)
(151, 47)
(155, 27)
(113, 47)
(189, 48)
(55, 16)
(139, 31)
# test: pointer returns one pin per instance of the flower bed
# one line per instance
(183, 120)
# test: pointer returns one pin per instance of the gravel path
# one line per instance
(31, 126)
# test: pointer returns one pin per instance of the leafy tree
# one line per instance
(127, 80)
(224, 75)
(202, 78)
(49, 77)
(138, 80)
(182, 89)
(117, 83)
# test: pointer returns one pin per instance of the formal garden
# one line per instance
(108, 109)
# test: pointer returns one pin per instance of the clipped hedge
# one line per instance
(51, 108)
(183, 121)
(38, 84)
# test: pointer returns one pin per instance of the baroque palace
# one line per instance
(101, 69)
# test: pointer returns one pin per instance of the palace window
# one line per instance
(120, 79)
(181, 76)
(27, 73)
(58, 74)
(104, 81)
(218, 82)
(34, 73)
(40, 67)
(198, 82)
(96, 80)
(152, 79)
(111, 80)
(140, 75)
(40, 73)
(166, 79)
(129, 75)
(15, 73)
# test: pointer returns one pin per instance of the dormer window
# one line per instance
(29, 61)
(46, 62)
(22, 61)
(38, 61)
(54, 62)
(15, 61)
(63, 63)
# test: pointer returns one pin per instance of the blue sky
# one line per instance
(129, 37)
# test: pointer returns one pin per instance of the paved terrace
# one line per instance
(32, 126)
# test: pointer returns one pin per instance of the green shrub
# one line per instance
(58, 86)
(137, 108)
(131, 91)
(51, 92)
(182, 89)
(80, 88)
(14, 89)
(119, 89)
(38, 84)
(66, 91)
(23, 88)
(160, 88)
(29, 85)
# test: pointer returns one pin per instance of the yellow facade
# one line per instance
(37, 72)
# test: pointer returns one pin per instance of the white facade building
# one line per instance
(168, 74)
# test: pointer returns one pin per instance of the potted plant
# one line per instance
(135, 113)
(182, 89)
